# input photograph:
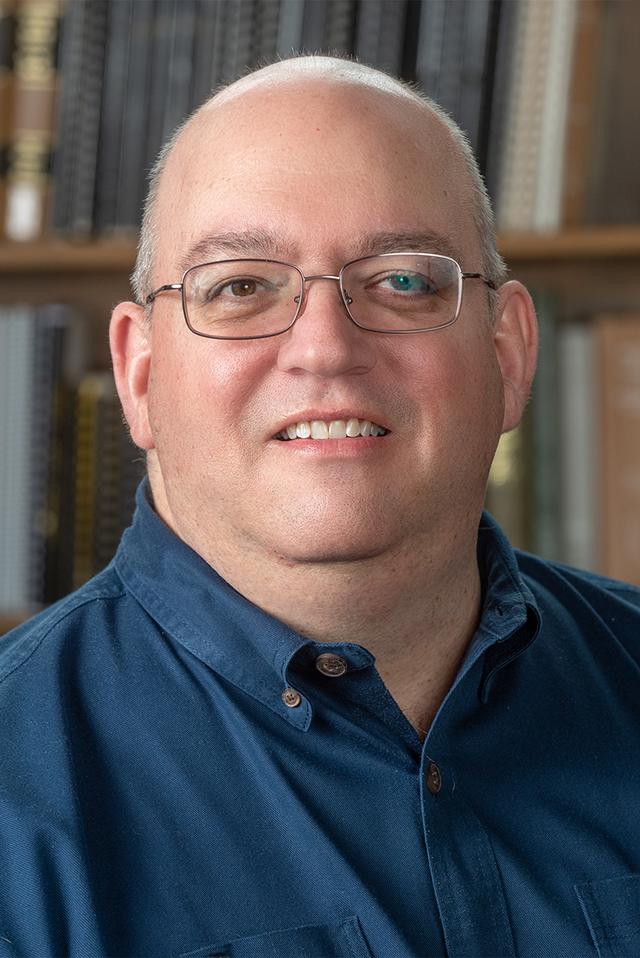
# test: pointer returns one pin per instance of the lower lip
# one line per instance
(334, 448)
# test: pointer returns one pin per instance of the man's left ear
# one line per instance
(516, 345)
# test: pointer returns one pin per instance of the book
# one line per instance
(578, 444)
(107, 470)
(30, 145)
(133, 151)
(582, 95)
(7, 45)
(507, 492)
(543, 452)
(494, 128)
(452, 64)
(614, 185)
(84, 39)
(15, 502)
(380, 34)
(617, 345)
(528, 195)
(118, 91)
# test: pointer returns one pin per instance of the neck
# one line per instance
(415, 608)
(415, 619)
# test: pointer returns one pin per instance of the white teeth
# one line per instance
(335, 429)
(319, 429)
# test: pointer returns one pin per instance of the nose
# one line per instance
(324, 341)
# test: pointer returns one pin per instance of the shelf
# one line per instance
(577, 245)
(49, 256)
(118, 255)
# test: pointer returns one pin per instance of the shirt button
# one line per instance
(291, 698)
(330, 664)
(434, 778)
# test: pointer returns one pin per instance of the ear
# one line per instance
(130, 342)
(516, 346)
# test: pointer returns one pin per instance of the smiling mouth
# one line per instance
(334, 429)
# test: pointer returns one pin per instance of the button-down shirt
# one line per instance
(182, 774)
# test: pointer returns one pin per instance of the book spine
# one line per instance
(578, 444)
(117, 93)
(85, 484)
(18, 342)
(380, 34)
(134, 113)
(517, 190)
(78, 122)
(35, 80)
(580, 126)
(618, 356)
(7, 44)
(544, 522)
(550, 171)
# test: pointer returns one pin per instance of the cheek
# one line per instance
(461, 398)
(200, 392)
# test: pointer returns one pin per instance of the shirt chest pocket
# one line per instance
(343, 939)
(612, 911)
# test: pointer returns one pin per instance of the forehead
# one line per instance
(320, 164)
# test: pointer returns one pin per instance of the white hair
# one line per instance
(493, 265)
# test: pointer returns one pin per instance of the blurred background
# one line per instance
(547, 91)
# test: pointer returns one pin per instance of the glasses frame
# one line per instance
(346, 300)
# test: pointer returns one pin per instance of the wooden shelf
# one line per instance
(577, 245)
(118, 255)
(49, 256)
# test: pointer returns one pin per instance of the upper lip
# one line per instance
(328, 415)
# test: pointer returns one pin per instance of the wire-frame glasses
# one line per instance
(258, 298)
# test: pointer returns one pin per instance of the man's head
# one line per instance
(337, 70)
(316, 161)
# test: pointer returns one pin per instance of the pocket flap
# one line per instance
(343, 939)
(612, 910)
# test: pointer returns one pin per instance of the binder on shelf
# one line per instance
(617, 343)
(29, 146)
(7, 49)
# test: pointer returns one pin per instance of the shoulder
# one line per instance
(71, 620)
(585, 596)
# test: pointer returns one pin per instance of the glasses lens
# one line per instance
(403, 292)
(241, 298)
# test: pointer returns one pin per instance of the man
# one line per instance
(317, 706)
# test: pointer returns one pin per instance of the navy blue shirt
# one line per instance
(182, 774)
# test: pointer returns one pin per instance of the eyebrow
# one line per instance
(425, 241)
(262, 243)
(269, 244)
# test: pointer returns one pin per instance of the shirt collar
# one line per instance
(252, 649)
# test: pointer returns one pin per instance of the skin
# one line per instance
(376, 546)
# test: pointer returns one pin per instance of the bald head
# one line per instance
(344, 92)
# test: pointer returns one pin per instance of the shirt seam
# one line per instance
(47, 630)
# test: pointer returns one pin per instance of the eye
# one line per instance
(406, 282)
(240, 287)
(243, 287)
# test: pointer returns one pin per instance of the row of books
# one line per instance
(68, 470)
(90, 89)
(566, 483)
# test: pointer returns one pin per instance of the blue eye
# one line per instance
(409, 283)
